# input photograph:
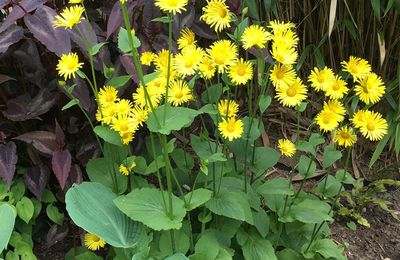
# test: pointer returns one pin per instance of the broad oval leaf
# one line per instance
(108, 135)
(7, 216)
(61, 164)
(8, 160)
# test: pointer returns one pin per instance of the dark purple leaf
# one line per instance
(8, 160)
(43, 141)
(12, 35)
(88, 33)
(2, 137)
(17, 12)
(130, 67)
(203, 30)
(5, 78)
(61, 163)
(115, 19)
(36, 180)
(40, 24)
(3, 3)
(75, 176)
(56, 234)
(23, 107)
(60, 137)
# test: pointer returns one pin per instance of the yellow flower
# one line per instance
(345, 136)
(207, 68)
(358, 117)
(172, 6)
(357, 67)
(240, 72)
(321, 79)
(285, 39)
(284, 55)
(69, 17)
(108, 95)
(327, 120)
(186, 39)
(124, 123)
(255, 35)
(161, 62)
(140, 114)
(147, 58)
(106, 114)
(286, 147)
(370, 89)
(223, 53)
(335, 107)
(123, 107)
(188, 61)
(127, 137)
(93, 242)
(75, 1)
(158, 85)
(279, 27)
(231, 128)
(123, 170)
(228, 108)
(216, 14)
(293, 94)
(179, 93)
(140, 97)
(282, 75)
(337, 89)
(373, 127)
(68, 65)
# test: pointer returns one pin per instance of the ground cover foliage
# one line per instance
(154, 126)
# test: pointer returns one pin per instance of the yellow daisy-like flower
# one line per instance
(147, 58)
(293, 94)
(327, 120)
(69, 17)
(370, 89)
(124, 123)
(285, 39)
(337, 108)
(282, 75)
(68, 65)
(179, 93)
(188, 61)
(358, 117)
(337, 89)
(161, 62)
(158, 85)
(172, 6)
(231, 128)
(284, 55)
(216, 14)
(106, 114)
(123, 107)
(357, 67)
(123, 170)
(286, 147)
(140, 114)
(345, 136)
(140, 97)
(278, 27)
(373, 127)
(223, 53)
(240, 72)
(207, 68)
(321, 79)
(127, 137)
(93, 242)
(228, 108)
(107, 96)
(187, 39)
(75, 1)
(255, 35)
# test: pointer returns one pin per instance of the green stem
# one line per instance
(169, 67)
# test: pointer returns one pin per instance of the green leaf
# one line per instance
(197, 198)
(163, 19)
(141, 165)
(256, 247)
(255, 131)
(212, 94)
(207, 247)
(7, 216)
(150, 77)
(376, 7)
(306, 167)
(379, 148)
(311, 211)
(25, 209)
(90, 205)
(108, 135)
(203, 148)
(264, 159)
(70, 104)
(328, 249)
(96, 48)
(81, 253)
(316, 139)
(232, 205)
(81, 74)
(331, 155)
(182, 243)
(119, 81)
(351, 225)
(277, 186)
(345, 177)
(261, 222)
(176, 118)
(48, 196)
(147, 206)
(177, 256)
(329, 187)
(288, 254)
(53, 214)
(253, 9)
(264, 103)
(123, 41)
(155, 165)
(302, 107)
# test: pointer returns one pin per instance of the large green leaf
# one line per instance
(176, 118)
(276, 186)
(7, 217)
(124, 42)
(147, 206)
(197, 198)
(108, 135)
(331, 155)
(311, 211)
(264, 159)
(231, 204)
(306, 167)
(90, 205)
(255, 247)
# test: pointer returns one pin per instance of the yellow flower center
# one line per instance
(241, 71)
(344, 135)
(172, 3)
(353, 68)
(123, 127)
(335, 86)
(71, 66)
(219, 60)
(96, 239)
(222, 12)
(326, 119)
(178, 94)
(188, 64)
(109, 98)
(291, 92)
(321, 77)
(370, 126)
(230, 127)
(280, 74)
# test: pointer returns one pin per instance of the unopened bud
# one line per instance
(245, 11)
(62, 83)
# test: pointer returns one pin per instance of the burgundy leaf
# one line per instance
(18, 12)
(75, 176)
(36, 179)
(2, 137)
(130, 67)
(56, 234)
(12, 35)
(23, 107)
(203, 30)
(87, 30)
(60, 137)
(8, 160)
(40, 24)
(61, 163)
(43, 141)
(115, 19)
(3, 3)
